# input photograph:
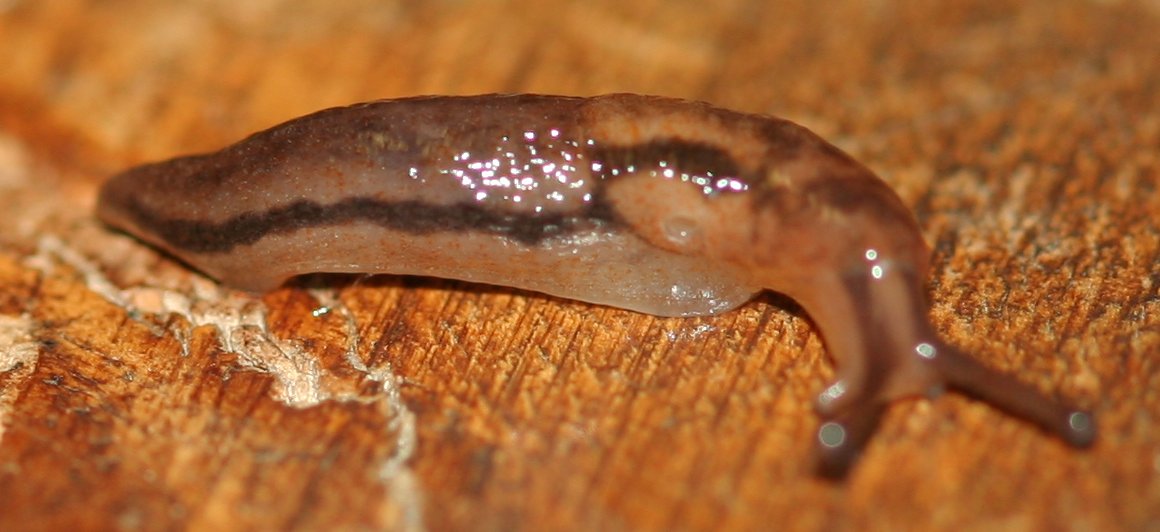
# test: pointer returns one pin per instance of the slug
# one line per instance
(656, 205)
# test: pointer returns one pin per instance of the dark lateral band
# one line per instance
(408, 216)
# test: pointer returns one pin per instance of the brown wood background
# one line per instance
(135, 394)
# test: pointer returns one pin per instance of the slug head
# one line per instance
(835, 238)
(860, 262)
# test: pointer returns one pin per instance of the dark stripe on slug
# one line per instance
(408, 216)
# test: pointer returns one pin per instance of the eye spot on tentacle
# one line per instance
(1083, 429)
(832, 435)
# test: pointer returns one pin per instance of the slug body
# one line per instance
(662, 206)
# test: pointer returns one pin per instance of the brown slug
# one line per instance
(657, 205)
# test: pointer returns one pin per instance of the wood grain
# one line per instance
(136, 395)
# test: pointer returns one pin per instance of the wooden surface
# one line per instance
(135, 394)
